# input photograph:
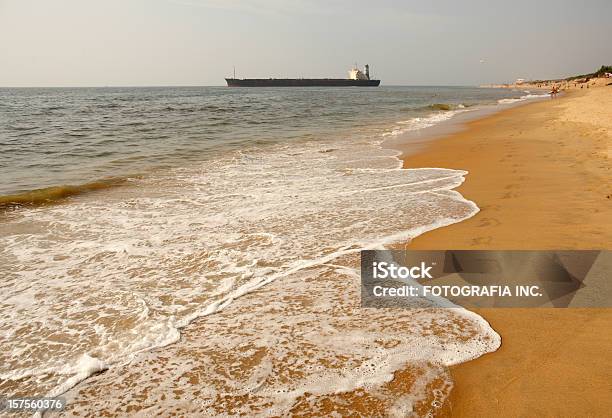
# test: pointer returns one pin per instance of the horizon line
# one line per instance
(223, 85)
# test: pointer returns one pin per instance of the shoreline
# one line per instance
(194, 333)
(198, 330)
(538, 187)
(191, 349)
(415, 141)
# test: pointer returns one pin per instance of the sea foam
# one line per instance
(101, 280)
(528, 96)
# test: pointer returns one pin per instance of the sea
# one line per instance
(206, 240)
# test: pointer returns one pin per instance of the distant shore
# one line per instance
(563, 84)
(540, 174)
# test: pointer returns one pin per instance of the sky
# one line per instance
(198, 42)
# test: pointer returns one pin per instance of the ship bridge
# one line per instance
(356, 74)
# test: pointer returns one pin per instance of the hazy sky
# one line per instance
(196, 42)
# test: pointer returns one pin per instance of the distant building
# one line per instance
(519, 81)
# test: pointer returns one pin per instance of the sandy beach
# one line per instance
(541, 175)
(281, 209)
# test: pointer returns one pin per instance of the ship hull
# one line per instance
(300, 82)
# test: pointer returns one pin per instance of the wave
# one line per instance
(418, 123)
(522, 98)
(441, 106)
(53, 194)
(438, 106)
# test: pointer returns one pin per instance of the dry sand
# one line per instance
(542, 176)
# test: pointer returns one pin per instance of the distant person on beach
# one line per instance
(554, 91)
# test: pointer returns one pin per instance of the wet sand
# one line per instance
(541, 175)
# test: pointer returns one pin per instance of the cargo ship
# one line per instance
(356, 78)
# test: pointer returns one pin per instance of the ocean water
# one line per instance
(130, 213)
(59, 137)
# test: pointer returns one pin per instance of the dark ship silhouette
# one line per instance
(356, 78)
